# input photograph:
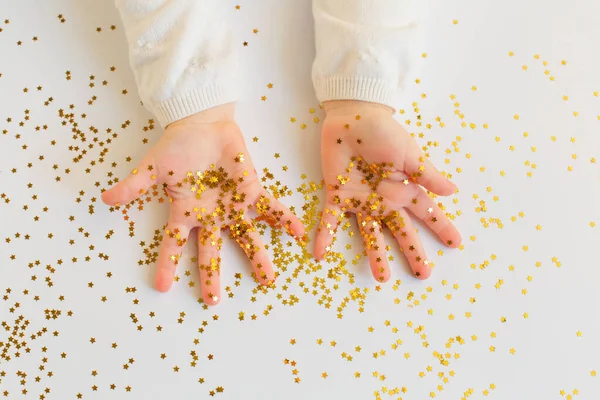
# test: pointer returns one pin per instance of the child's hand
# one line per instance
(204, 164)
(374, 168)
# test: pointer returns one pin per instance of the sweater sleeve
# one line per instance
(362, 49)
(182, 53)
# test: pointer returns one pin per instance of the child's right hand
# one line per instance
(203, 162)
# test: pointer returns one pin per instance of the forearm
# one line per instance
(362, 49)
(182, 53)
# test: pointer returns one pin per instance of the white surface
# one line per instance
(249, 355)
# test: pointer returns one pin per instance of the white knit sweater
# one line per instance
(183, 52)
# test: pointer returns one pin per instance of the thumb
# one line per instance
(427, 175)
(132, 187)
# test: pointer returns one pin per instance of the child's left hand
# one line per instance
(372, 167)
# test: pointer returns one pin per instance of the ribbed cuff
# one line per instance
(356, 88)
(194, 101)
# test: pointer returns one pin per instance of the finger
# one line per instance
(245, 234)
(174, 238)
(410, 244)
(424, 208)
(330, 220)
(277, 214)
(372, 234)
(132, 187)
(427, 175)
(209, 263)
(332, 216)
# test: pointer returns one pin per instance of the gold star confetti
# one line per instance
(86, 151)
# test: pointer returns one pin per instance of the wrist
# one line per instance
(354, 107)
(221, 113)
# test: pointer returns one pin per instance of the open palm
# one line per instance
(372, 167)
(206, 169)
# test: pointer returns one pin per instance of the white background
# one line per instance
(248, 356)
